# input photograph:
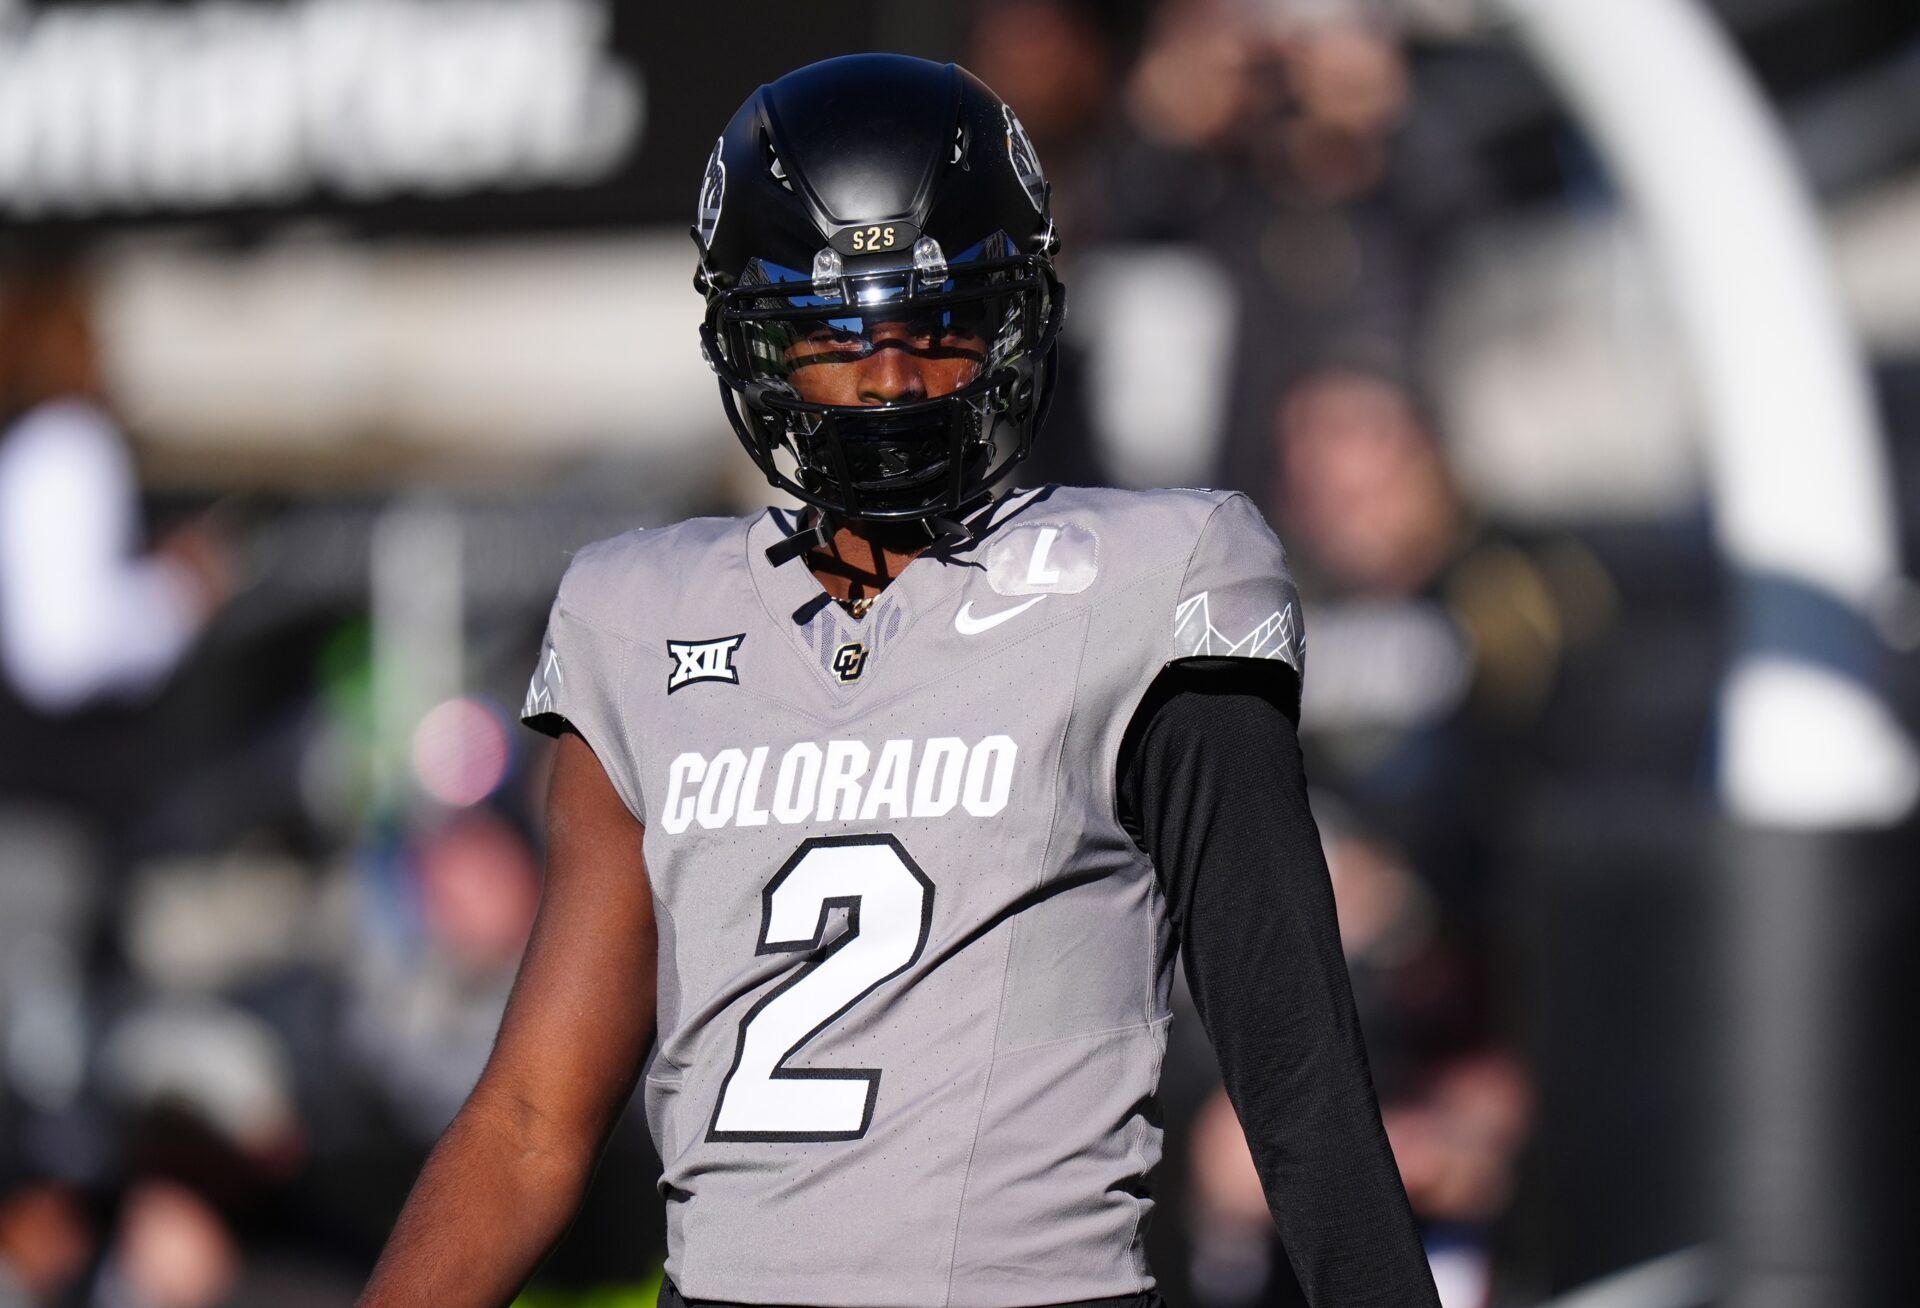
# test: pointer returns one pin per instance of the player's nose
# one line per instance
(891, 375)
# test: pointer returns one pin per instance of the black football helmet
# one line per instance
(868, 191)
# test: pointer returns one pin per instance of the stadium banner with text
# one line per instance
(403, 116)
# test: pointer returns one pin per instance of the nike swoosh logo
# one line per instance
(967, 625)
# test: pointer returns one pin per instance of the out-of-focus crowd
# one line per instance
(269, 839)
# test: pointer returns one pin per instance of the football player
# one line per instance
(876, 827)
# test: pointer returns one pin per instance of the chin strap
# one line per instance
(965, 525)
(942, 534)
(946, 533)
(807, 538)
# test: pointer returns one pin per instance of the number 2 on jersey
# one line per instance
(889, 904)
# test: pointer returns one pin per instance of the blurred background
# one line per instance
(329, 327)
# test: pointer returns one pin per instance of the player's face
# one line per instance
(894, 362)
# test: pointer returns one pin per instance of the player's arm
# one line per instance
(505, 1179)
(1213, 787)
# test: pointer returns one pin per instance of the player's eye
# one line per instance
(931, 331)
(968, 322)
(937, 329)
(825, 342)
(834, 338)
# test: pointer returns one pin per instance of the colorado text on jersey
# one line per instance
(812, 783)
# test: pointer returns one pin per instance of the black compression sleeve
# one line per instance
(1213, 788)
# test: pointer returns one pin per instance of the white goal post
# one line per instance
(1797, 469)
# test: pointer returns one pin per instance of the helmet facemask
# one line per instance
(986, 322)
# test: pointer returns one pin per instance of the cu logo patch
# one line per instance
(849, 661)
(703, 660)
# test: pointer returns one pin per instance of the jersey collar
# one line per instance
(814, 623)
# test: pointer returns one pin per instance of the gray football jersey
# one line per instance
(913, 990)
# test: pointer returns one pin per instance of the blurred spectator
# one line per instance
(1058, 63)
(1264, 207)
(83, 615)
(1437, 639)
(1455, 1098)
(89, 625)
(449, 912)
(1363, 488)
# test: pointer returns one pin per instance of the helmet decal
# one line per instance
(1026, 162)
(713, 193)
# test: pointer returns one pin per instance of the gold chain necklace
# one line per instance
(860, 606)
